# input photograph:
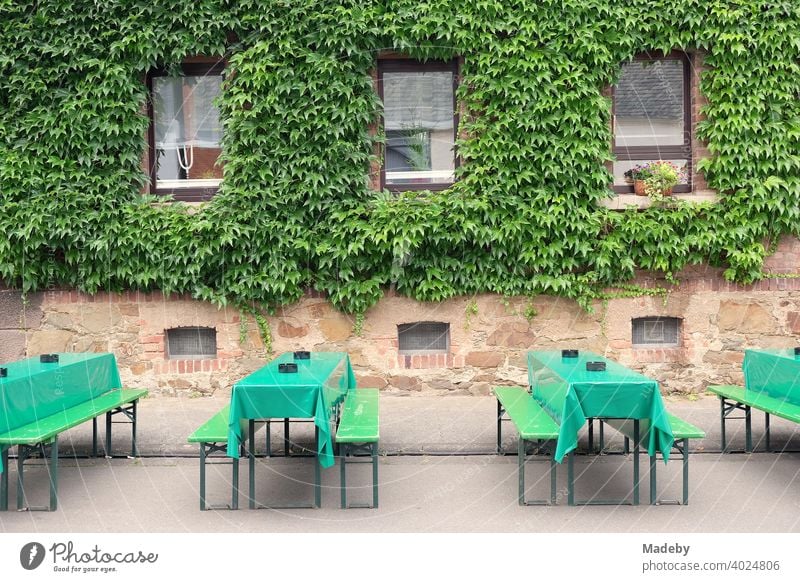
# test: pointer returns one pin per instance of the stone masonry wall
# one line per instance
(489, 335)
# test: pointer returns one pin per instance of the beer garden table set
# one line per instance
(42, 397)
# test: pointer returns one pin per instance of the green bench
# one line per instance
(358, 433)
(213, 438)
(35, 436)
(682, 431)
(734, 398)
(533, 423)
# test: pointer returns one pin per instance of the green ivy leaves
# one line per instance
(296, 211)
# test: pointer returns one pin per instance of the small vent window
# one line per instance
(423, 336)
(656, 331)
(191, 343)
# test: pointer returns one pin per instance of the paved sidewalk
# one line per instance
(438, 472)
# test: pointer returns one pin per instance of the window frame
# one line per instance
(191, 67)
(401, 65)
(168, 355)
(644, 320)
(654, 152)
(415, 352)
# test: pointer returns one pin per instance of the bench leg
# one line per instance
(53, 474)
(22, 454)
(202, 476)
(317, 471)
(94, 437)
(636, 462)
(108, 435)
(251, 459)
(343, 473)
(653, 484)
(766, 430)
(748, 432)
(269, 438)
(553, 484)
(286, 442)
(571, 478)
(4, 478)
(134, 449)
(602, 437)
(521, 469)
(722, 423)
(499, 427)
(375, 475)
(235, 484)
(686, 471)
(591, 434)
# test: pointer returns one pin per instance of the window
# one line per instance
(423, 337)
(656, 331)
(185, 131)
(419, 120)
(191, 343)
(651, 116)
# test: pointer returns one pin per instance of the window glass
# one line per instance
(187, 131)
(419, 126)
(649, 104)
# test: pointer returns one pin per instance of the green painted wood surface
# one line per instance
(47, 427)
(359, 422)
(214, 430)
(532, 421)
(774, 406)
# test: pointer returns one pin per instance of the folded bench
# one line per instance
(682, 431)
(358, 432)
(733, 398)
(35, 436)
(533, 423)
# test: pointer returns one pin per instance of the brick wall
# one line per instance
(719, 320)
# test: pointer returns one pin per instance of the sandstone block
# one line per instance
(371, 381)
(12, 345)
(48, 341)
(99, 318)
(410, 383)
(745, 317)
(14, 314)
(336, 329)
(286, 329)
(793, 321)
(484, 359)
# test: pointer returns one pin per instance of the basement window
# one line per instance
(656, 332)
(423, 337)
(191, 343)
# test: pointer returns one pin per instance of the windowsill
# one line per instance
(623, 201)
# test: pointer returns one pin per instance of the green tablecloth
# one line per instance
(774, 372)
(571, 394)
(34, 390)
(319, 383)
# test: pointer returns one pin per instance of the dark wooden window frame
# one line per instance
(395, 65)
(644, 153)
(194, 67)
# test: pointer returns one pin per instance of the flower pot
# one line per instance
(638, 188)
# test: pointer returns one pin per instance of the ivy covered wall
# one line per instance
(295, 209)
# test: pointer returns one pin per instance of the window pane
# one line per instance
(418, 118)
(187, 131)
(649, 103)
(622, 166)
(423, 336)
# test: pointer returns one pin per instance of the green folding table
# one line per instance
(772, 373)
(571, 394)
(320, 383)
(33, 390)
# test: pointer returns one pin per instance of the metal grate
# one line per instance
(423, 336)
(191, 343)
(656, 331)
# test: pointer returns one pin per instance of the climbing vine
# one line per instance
(295, 210)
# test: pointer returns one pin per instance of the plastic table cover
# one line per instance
(572, 394)
(33, 389)
(319, 383)
(774, 372)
